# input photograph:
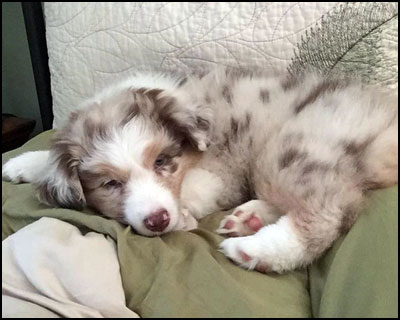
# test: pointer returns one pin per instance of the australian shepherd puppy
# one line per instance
(294, 154)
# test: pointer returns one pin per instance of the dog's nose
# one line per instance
(157, 221)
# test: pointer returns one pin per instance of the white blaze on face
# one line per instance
(146, 196)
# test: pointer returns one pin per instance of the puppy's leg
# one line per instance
(309, 228)
(27, 167)
(248, 218)
(381, 159)
(200, 191)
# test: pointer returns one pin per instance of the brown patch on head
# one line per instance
(68, 155)
(150, 154)
(173, 150)
(183, 124)
(291, 156)
(177, 160)
(173, 179)
(93, 129)
(90, 127)
(321, 89)
(130, 112)
(264, 95)
(157, 150)
(152, 94)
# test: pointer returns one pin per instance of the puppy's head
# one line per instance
(126, 156)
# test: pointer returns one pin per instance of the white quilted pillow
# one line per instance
(93, 44)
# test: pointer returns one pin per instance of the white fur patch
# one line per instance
(119, 149)
(200, 191)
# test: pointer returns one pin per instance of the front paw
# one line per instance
(14, 170)
(27, 167)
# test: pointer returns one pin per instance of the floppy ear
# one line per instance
(61, 186)
(190, 123)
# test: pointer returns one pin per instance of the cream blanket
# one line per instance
(50, 264)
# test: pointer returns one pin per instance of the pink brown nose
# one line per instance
(157, 221)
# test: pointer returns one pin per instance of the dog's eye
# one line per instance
(113, 184)
(160, 161)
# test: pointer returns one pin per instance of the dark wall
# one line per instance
(18, 85)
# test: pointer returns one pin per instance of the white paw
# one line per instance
(245, 252)
(248, 218)
(26, 167)
(276, 247)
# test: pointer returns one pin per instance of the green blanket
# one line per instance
(182, 274)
